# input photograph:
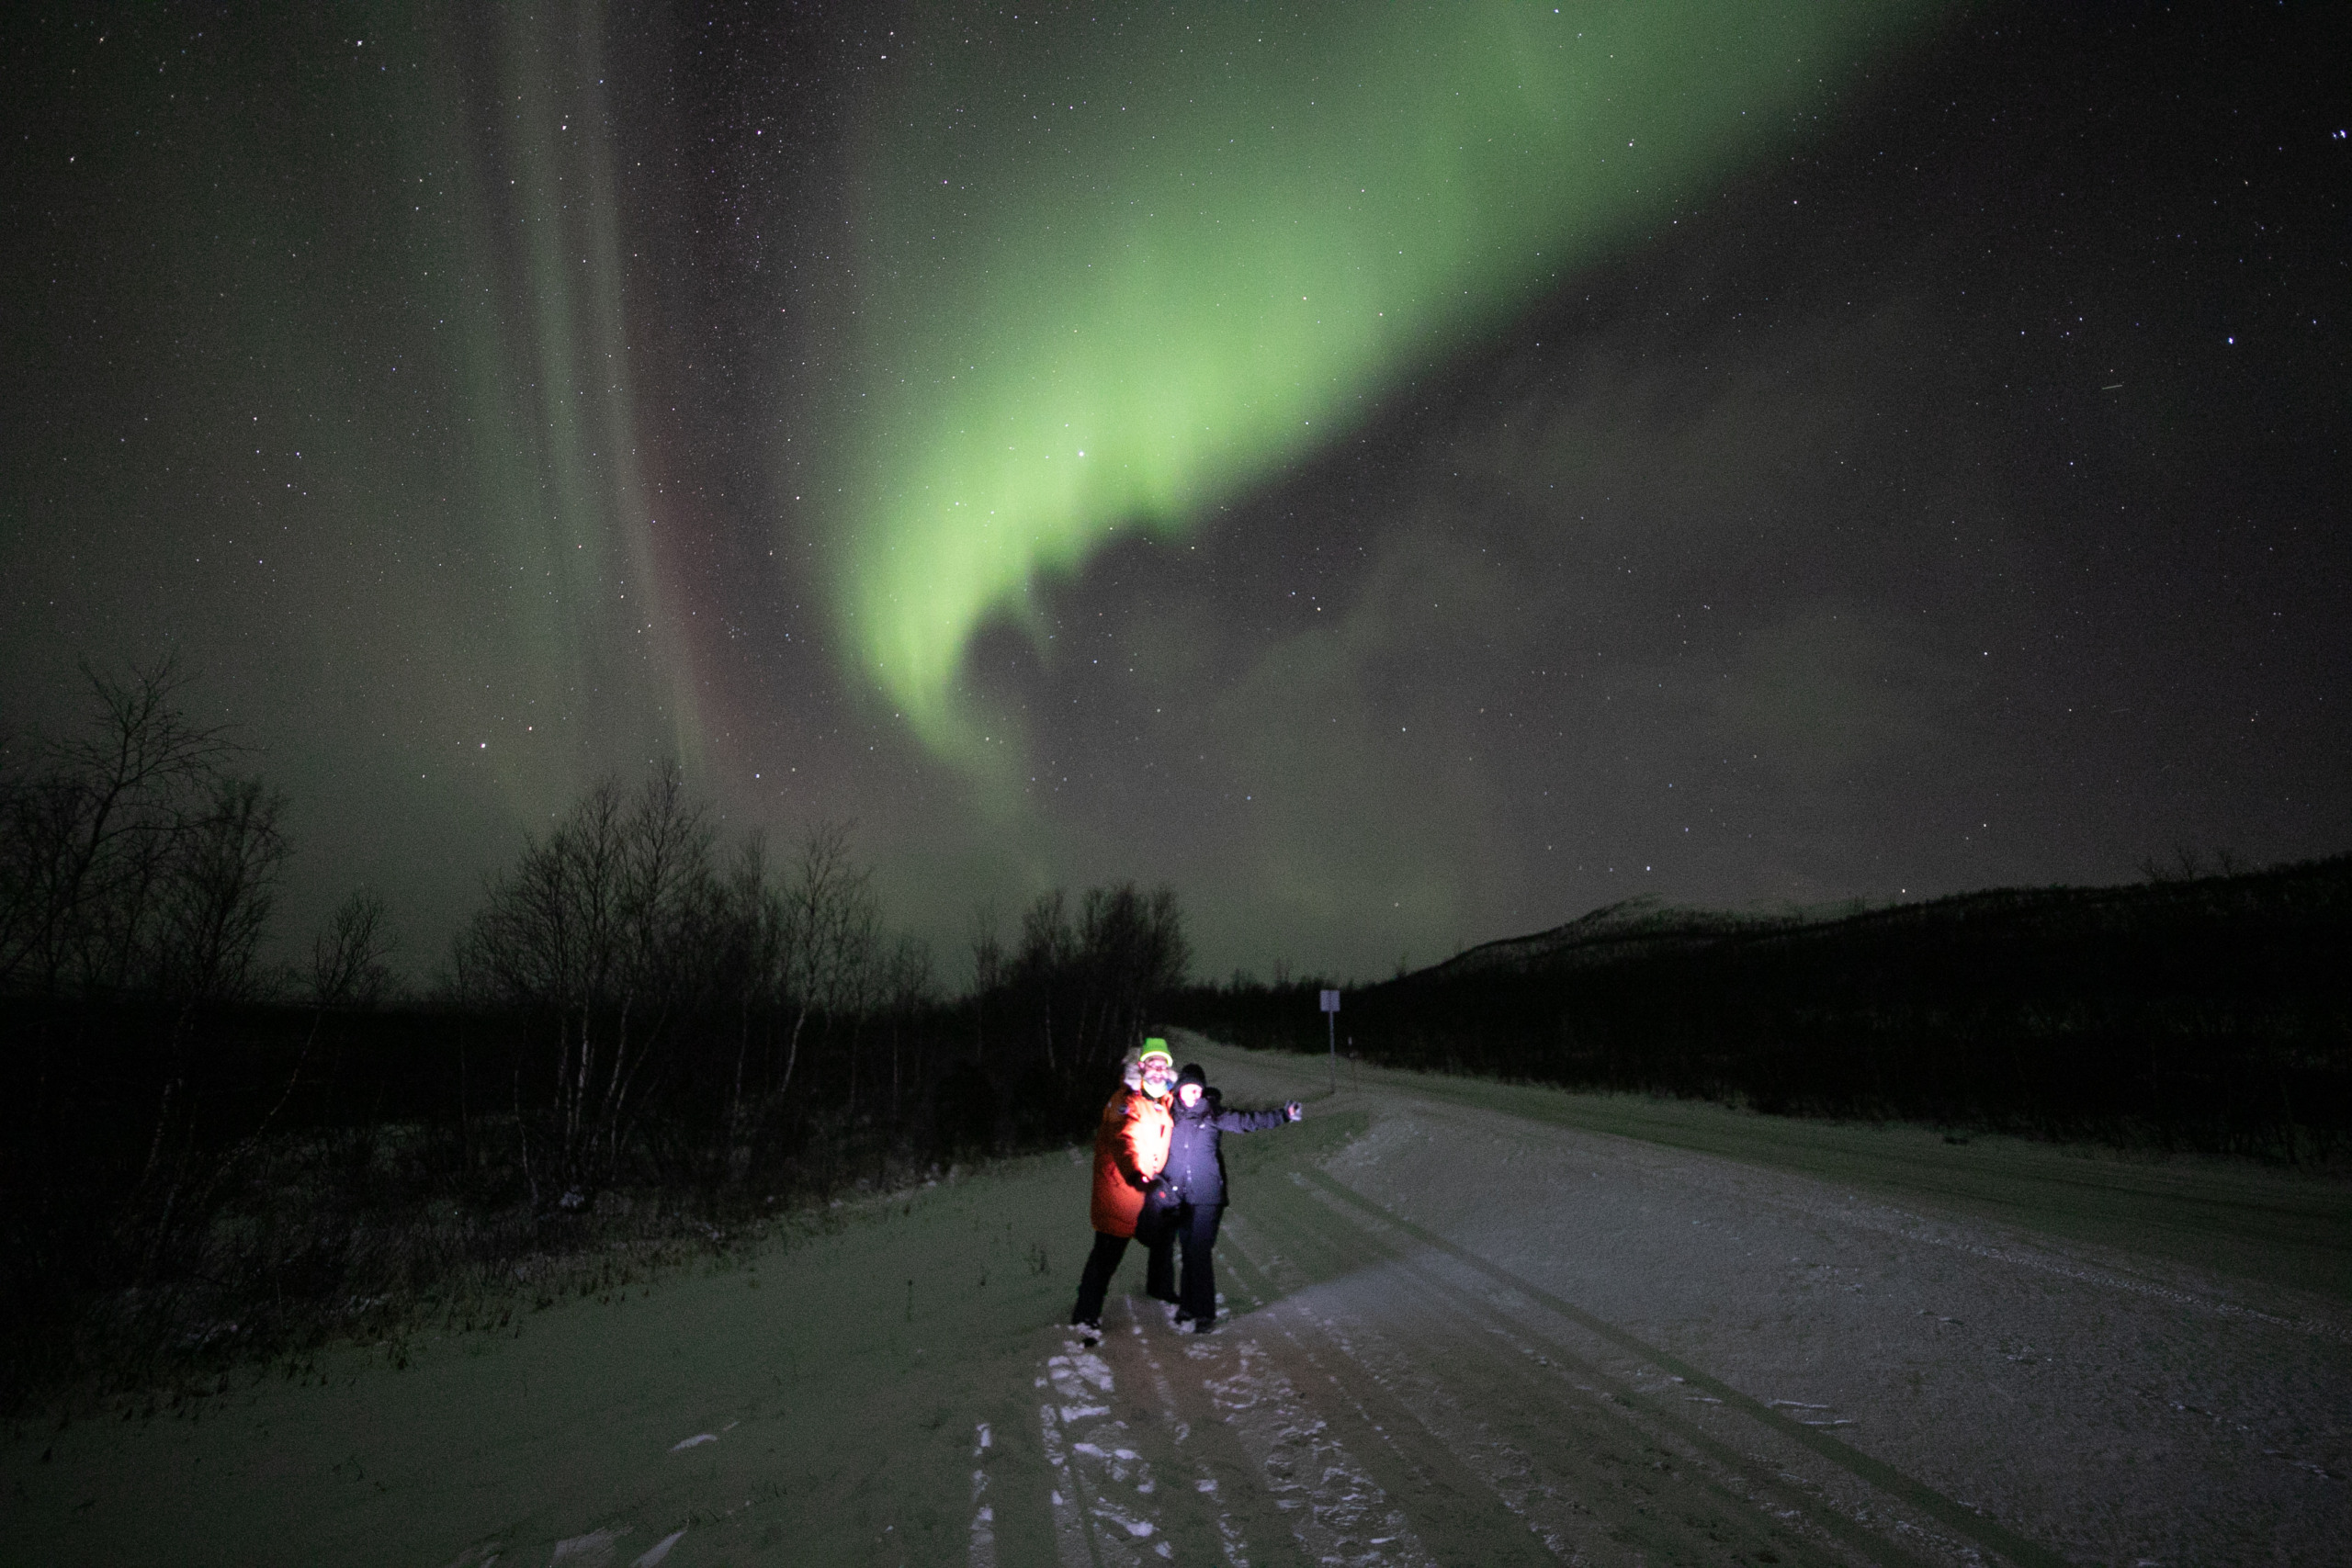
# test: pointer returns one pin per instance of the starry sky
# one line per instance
(1405, 474)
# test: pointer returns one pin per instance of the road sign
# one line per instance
(1331, 1035)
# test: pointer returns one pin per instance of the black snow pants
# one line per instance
(1194, 1226)
(1095, 1283)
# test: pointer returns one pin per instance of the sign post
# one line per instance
(1332, 1034)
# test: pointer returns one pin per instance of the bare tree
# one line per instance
(2189, 864)
(989, 960)
(908, 983)
(1087, 985)
(607, 926)
(221, 893)
(829, 926)
(989, 968)
(123, 844)
(1134, 950)
(1041, 971)
(347, 957)
(755, 941)
(671, 899)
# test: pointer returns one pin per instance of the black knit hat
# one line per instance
(1191, 1074)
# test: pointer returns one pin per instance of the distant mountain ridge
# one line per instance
(1621, 930)
(1647, 927)
(2201, 1012)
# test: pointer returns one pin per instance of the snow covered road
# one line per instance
(1466, 1323)
(1473, 1337)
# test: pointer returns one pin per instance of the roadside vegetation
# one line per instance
(649, 1044)
(2200, 1010)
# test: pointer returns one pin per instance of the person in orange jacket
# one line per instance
(1130, 1147)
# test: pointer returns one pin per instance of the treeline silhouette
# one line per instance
(2200, 1012)
(135, 858)
(645, 1040)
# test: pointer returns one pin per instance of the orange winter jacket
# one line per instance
(1129, 1149)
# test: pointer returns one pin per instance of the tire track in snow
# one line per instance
(1542, 1501)
(1616, 1509)
(1329, 1501)
(1231, 1540)
(1337, 1511)
(1103, 1502)
(1071, 1540)
(1448, 1462)
(1722, 1175)
(1914, 1495)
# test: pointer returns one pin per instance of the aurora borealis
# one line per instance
(1531, 457)
(1127, 281)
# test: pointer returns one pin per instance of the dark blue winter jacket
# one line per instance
(1195, 1169)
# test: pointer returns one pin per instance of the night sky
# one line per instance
(1405, 474)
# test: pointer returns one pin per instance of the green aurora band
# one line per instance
(1115, 272)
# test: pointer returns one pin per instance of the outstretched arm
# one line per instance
(1255, 1121)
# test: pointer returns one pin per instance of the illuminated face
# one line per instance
(1157, 1076)
(1189, 1094)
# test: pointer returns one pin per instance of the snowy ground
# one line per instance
(1468, 1323)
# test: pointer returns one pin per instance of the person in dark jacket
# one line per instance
(1188, 1201)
